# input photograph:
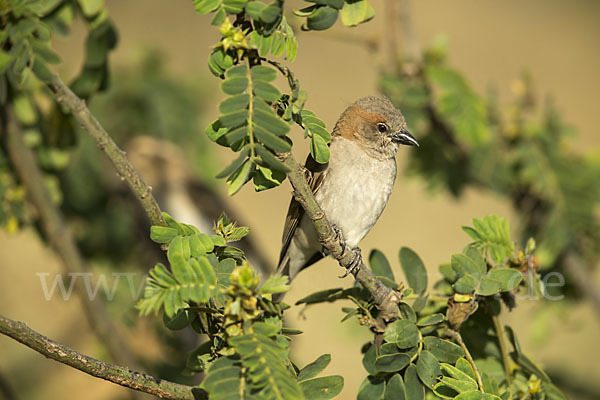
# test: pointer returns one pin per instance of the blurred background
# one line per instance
(161, 89)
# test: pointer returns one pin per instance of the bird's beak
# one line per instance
(404, 137)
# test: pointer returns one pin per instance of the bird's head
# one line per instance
(376, 125)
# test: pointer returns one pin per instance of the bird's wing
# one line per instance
(314, 173)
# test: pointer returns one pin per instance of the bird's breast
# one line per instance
(355, 189)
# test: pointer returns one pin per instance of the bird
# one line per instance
(355, 185)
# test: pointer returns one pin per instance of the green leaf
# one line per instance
(234, 120)
(91, 7)
(394, 389)
(414, 270)
(233, 137)
(270, 122)
(430, 320)
(323, 388)
(443, 350)
(489, 287)
(219, 17)
(179, 321)
(391, 362)
(234, 103)
(449, 387)
(509, 278)
(371, 389)
(402, 332)
(380, 265)
(270, 158)
(458, 104)
(413, 386)
(271, 13)
(41, 71)
(206, 6)
(356, 12)
(320, 296)
(235, 85)
(219, 62)
(428, 368)
(5, 61)
(448, 273)
(254, 9)
(265, 178)
(200, 244)
(236, 163)
(464, 366)
(275, 284)
(314, 368)
(234, 6)
(224, 380)
(240, 177)
(215, 131)
(162, 234)
(466, 284)
(319, 130)
(238, 233)
(407, 312)
(466, 265)
(266, 91)
(322, 18)
(271, 141)
(319, 149)
(472, 395)
(43, 50)
(263, 73)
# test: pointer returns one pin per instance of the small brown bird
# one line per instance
(354, 187)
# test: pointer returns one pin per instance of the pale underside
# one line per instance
(353, 191)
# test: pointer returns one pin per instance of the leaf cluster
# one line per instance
(256, 116)
(26, 59)
(209, 286)
(324, 13)
(417, 357)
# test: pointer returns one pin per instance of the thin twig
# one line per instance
(457, 336)
(385, 298)
(112, 373)
(62, 241)
(502, 345)
(67, 98)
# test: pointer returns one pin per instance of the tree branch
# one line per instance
(385, 298)
(61, 240)
(458, 337)
(112, 373)
(127, 171)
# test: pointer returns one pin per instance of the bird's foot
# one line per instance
(355, 263)
(339, 237)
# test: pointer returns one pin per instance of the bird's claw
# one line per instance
(355, 263)
(339, 237)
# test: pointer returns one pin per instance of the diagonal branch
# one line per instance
(126, 170)
(112, 373)
(385, 298)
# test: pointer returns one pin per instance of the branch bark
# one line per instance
(126, 170)
(112, 373)
(385, 298)
(62, 241)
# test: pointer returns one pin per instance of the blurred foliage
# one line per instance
(25, 54)
(144, 100)
(519, 153)
(417, 357)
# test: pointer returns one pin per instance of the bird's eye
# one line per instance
(382, 128)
